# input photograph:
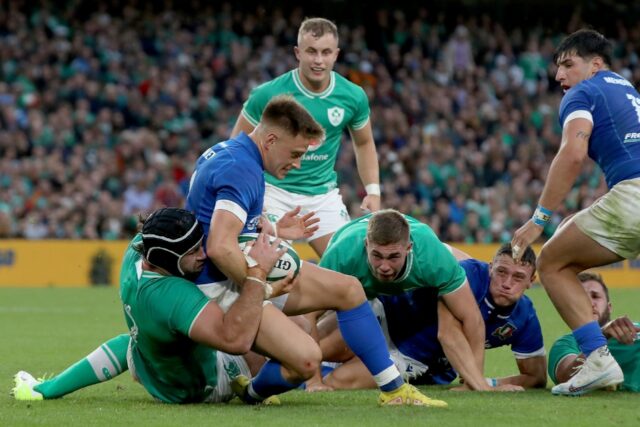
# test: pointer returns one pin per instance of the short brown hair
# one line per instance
(286, 113)
(318, 27)
(387, 227)
(528, 257)
(585, 276)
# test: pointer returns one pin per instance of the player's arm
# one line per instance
(367, 163)
(563, 172)
(235, 331)
(222, 245)
(567, 164)
(533, 373)
(568, 366)
(242, 125)
(457, 345)
(457, 253)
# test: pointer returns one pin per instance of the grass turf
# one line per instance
(45, 330)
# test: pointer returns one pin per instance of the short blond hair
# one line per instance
(318, 27)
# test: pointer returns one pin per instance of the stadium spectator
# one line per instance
(183, 77)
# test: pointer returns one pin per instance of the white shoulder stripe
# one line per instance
(539, 352)
(193, 322)
(233, 207)
(580, 114)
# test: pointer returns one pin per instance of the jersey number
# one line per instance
(635, 102)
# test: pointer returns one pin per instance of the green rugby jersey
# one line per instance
(428, 264)
(159, 311)
(627, 356)
(342, 105)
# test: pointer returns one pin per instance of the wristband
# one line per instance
(372, 189)
(266, 286)
(541, 216)
(493, 382)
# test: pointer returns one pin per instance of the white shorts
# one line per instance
(328, 207)
(409, 367)
(229, 366)
(225, 293)
(614, 219)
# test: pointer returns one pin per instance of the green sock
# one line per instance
(104, 363)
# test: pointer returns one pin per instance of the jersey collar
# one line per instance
(500, 312)
(309, 94)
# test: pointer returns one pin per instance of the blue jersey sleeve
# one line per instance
(576, 99)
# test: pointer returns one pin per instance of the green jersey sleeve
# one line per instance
(175, 303)
(254, 105)
(563, 347)
(361, 116)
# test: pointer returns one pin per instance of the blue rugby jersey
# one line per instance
(229, 175)
(413, 323)
(614, 107)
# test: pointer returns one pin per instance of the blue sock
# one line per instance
(268, 382)
(361, 331)
(589, 337)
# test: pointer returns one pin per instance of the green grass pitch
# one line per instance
(44, 330)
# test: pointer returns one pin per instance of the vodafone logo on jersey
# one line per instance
(335, 114)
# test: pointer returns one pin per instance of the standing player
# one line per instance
(335, 103)
(427, 352)
(621, 333)
(600, 117)
(227, 193)
(392, 254)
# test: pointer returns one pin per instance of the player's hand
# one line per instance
(507, 387)
(283, 286)
(266, 253)
(523, 237)
(293, 226)
(621, 329)
(265, 226)
(312, 386)
(370, 203)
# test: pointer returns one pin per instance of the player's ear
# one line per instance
(533, 279)
(296, 51)
(597, 64)
(270, 139)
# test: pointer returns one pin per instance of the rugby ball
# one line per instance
(289, 261)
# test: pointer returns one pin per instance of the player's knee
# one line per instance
(349, 292)
(544, 265)
(308, 364)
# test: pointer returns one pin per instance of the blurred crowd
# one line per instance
(103, 113)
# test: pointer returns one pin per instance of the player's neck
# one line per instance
(312, 86)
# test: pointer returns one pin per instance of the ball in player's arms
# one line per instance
(288, 262)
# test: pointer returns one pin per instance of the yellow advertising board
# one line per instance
(66, 263)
